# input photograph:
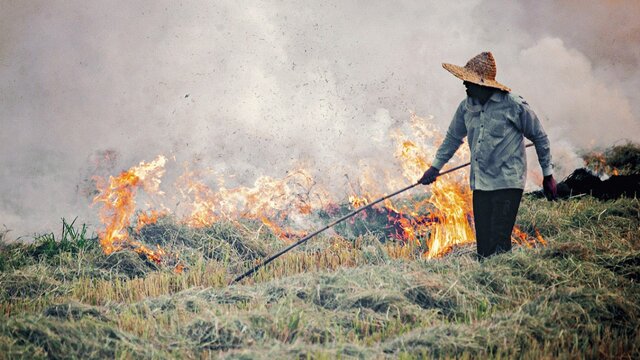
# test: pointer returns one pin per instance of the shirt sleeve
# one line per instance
(452, 141)
(532, 130)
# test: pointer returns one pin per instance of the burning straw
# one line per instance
(290, 206)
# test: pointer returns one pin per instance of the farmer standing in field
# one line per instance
(495, 122)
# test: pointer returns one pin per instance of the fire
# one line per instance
(117, 197)
(282, 232)
(179, 268)
(448, 221)
(203, 210)
(452, 206)
(449, 205)
(441, 219)
(597, 162)
(153, 255)
(148, 218)
(540, 238)
(272, 201)
(408, 229)
(522, 238)
(358, 201)
(414, 159)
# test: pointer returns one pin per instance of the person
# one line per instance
(495, 122)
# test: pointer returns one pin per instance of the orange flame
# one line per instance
(117, 197)
(358, 201)
(448, 222)
(148, 218)
(452, 206)
(154, 255)
(278, 203)
(449, 204)
(270, 200)
(540, 239)
(203, 200)
(522, 238)
(597, 162)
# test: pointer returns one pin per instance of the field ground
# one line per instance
(335, 297)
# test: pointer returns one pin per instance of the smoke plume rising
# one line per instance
(258, 88)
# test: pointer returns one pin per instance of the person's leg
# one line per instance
(482, 215)
(505, 204)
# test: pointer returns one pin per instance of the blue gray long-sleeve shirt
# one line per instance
(496, 132)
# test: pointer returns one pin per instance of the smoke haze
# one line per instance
(257, 88)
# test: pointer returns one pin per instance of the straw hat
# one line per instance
(480, 70)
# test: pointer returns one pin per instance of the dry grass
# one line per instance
(335, 297)
(624, 158)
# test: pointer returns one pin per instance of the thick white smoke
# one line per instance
(254, 88)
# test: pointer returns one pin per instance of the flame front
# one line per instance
(441, 220)
(148, 218)
(444, 219)
(448, 207)
(272, 201)
(452, 206)
(117, 197)
(597, 162)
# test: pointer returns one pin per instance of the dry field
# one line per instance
(335, 297)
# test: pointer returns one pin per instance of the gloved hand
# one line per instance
(429, 176)
(550, 187)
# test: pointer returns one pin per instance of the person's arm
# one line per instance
(532, 130)
(452, 141)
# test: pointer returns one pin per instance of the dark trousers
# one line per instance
(494, 214)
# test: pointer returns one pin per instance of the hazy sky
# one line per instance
(252, 87)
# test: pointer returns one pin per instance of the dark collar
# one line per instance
(474, 106)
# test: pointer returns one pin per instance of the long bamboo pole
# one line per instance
(345, 217)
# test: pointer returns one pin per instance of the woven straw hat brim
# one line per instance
(465, 74)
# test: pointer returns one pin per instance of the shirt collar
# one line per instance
(497, 96)
(473, 104)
